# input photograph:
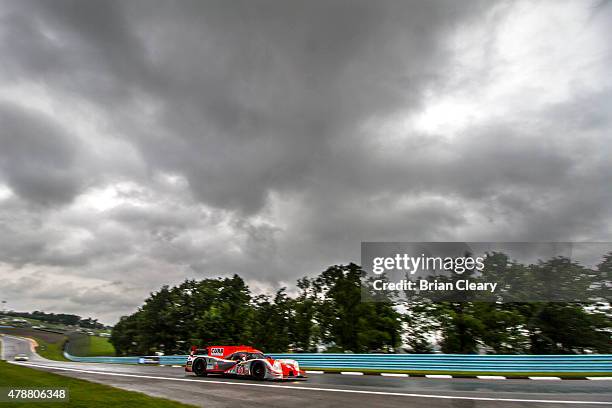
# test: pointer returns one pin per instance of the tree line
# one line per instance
(59, 318)
(328, 312)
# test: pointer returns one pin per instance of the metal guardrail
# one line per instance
(430, 363)
(118, 360)
(458, 363)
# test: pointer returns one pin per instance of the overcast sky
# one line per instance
(142, 144)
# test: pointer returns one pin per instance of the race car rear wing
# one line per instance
(195, 351)
(221, 351)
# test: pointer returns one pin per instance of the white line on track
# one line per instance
(2, 346)
(544, 378)
(314, 372)
(394, 375)
(394, 394)
(599, 378)
(491, 377)
(438, 376)
(351, 373)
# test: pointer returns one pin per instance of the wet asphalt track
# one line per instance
(326, 390)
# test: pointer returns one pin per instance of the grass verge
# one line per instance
(100, 346)
(52, 351)
(83, 394)
(89, 346)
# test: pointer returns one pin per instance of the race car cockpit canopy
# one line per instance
(244, 356)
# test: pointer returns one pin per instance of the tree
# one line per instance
(348, 322)
(270, 323)
(419, 325)
(125, 334)
(302, 325)
(226, 316)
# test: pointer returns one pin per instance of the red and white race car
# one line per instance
(242, 361)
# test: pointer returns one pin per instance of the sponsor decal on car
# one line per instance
(242, 369)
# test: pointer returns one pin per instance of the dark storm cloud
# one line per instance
(37, 157)
(256, 90)
(80, 47)
(142, 143)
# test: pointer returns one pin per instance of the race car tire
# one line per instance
(258, 370)
(199, 367)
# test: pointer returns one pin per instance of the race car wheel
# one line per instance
(258, 370)
(199, 368)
